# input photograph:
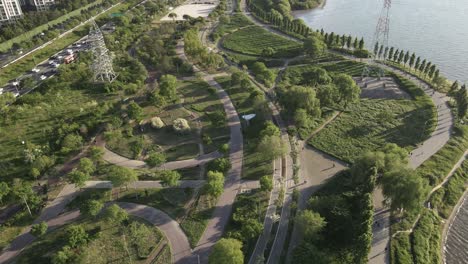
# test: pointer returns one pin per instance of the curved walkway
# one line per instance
(223, 209)
(180, 247)
(119, 160)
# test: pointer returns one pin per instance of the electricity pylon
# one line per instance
(380, 38)
(102, 62)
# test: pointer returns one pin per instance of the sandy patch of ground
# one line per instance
(383, 88)
(193, 9)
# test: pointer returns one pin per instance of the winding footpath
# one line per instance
(180, 247)
(223, 209)
(119, 160)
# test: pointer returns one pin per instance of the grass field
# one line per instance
(197, 218)
(367, 126)
(237, 20)
(253, 40)
(107, 244)
(4, 46)
(34, 123)
(255, 166)
(194, 96)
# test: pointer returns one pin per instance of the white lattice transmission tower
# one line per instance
(102, 61)
(380, 38)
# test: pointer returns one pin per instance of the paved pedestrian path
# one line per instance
(223, 208)
(119, 160)
(178, 241)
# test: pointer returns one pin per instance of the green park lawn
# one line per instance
(369, 125)
(34, 123)
(109, 243)
(255, 165)
(237, 20)
(253, 40)
(195, 96)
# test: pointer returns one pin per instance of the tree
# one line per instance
(348, 42)
(86, 166)
(76, 235)
(317, 76)
(215, 183)
(376, 49)
(78, 178)
(168, 86)
(310, 224)
(4, 190)
(270, 129)
(390, 53)
(115, 214)
(39, 229)
(301, 118)
(96, 154)
(406, 58)
(220, 164)
(271, 147)
(462, 102)
(301, 97)
(170, 178)
(401, 56)
(412, 60)
(155, 159)
(251, 228)
(361, 44)
(268, 52)
(120, 176)
(417, 64)
(266, 183)
(180, 125)
(422, 66)
(64, 256)
(173, 16)
(71, 142)
(134, 111)
(227, 251)
(347, 89)
(314, 46)
(453, 89)
(327, 94)
(157, 123)
(403, 187)
(395, 56)
(24, 191)
(92, 208)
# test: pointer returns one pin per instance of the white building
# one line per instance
(42, 5)
(9, 10)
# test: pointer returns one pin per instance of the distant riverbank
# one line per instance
(419, 26)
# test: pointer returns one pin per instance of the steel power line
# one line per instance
(102, 62)
(380, 38)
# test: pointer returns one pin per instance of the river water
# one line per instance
(434, 29)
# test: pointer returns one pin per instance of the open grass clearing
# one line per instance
(197, 102)
(253, 40)
(197, 217)
(107, 244)
(369, 125)
(236, 21)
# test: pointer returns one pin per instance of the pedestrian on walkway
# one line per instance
(334, 165)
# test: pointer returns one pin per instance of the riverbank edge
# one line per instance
(449, 221)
